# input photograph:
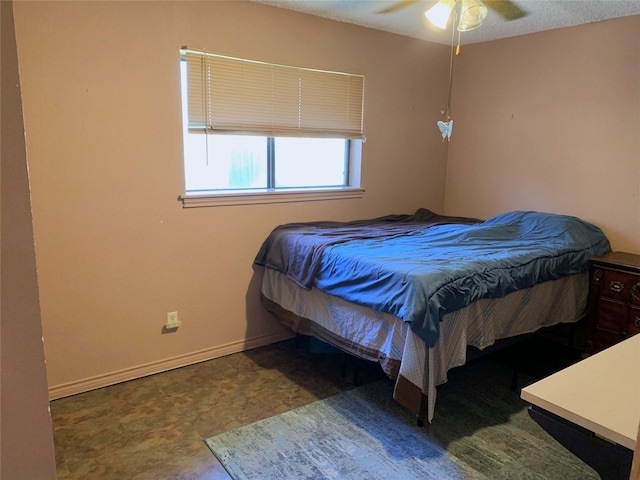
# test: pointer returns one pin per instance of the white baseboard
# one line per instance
(99, 381)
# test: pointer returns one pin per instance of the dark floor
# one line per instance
(154, 428)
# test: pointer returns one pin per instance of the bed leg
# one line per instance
(422, 423)
(346, 359)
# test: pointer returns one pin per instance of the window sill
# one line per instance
(262, 197)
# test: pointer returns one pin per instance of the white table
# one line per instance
(600, 393)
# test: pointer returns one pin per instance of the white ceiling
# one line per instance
(410, 21)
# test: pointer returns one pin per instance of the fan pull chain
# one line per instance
(446, 128)
(447, 111)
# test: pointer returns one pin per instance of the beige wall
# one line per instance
(548, 121)
(26, 446)
(115, 249)
(551, 121)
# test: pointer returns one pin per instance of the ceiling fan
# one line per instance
(468, 15)
(472, 12)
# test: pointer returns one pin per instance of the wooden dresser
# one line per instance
(614, 300)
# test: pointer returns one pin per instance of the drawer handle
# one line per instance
(597, 275)
(637, 322)
(616, 286)
(635, 292)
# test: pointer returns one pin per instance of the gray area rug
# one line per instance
(481, 430)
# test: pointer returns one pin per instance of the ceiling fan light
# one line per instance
(472, 14)
(439, 14)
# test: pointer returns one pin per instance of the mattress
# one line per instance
(421, 270)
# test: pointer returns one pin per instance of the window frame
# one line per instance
(352, 189)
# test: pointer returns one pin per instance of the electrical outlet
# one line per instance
(172, 320)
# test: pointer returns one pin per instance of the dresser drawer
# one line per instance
(614, 300)
(635, 293)
(612, 315)
(618, 285)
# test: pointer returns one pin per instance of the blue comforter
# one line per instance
(295, 249)
(426, 272)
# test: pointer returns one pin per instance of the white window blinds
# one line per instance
(237, 96)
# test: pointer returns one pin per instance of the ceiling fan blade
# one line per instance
(505, 8)
(397, 6)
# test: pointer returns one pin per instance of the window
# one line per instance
(256, 132)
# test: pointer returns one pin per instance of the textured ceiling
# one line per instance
(410, 21)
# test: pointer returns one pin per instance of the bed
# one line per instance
(412, 292)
